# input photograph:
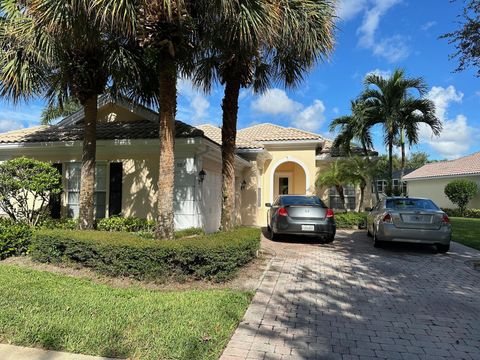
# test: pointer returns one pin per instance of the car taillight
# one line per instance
(282, 212)
(330, 213)
(387, 218)
(445, 219)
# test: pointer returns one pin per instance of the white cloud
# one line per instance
(379, 72)
(336, 110)
(457, 135)
(428, 25)
(197, 103)
(15, 117)
(393, 48)
(9, 125)
(275, 102)
(311, 117)
(348, 9)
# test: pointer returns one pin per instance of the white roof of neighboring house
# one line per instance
(266, 132)
(468, 165)
(214, 133)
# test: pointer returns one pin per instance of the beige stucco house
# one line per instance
(430, 180)
(270, 160)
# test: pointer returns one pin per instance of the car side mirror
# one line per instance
(268, 205)
(368, 209)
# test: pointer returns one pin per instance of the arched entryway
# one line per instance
(289, 177)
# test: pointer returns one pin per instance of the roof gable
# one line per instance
(467, 165)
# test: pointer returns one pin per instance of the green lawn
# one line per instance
(466, 231)
(51, 311)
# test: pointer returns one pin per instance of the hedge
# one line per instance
(212, 257)
(14, 238)
(469, 213)
(350, 220)
(128, 224)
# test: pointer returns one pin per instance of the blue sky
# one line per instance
(372, 36)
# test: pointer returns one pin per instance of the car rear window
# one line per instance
(400, 204)
(302, 200)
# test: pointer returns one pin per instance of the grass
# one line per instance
(466, 231)
(51, 311)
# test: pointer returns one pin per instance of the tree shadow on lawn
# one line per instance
(349, 298)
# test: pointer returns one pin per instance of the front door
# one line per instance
(283, 184)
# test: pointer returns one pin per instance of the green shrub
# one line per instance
(188, 232)
(350, 220)
(14, 238)
(469, 213)
(127, 224)
(52, 224)
(460, 192)
(216, 256)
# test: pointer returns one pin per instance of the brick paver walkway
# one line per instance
(348, 300)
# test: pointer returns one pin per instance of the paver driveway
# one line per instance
(348, 300)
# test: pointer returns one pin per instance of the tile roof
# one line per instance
(468, 165)
(270, 132)
(139, 129)
(214, 133)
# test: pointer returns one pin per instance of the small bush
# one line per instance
(469, 213)
(350, 220)
(14, 238)
(216, 256)
(52, 224)
(460, 192)
(188, 232)
(128, 224)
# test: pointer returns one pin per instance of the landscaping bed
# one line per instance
(212, 257)
(466, 231)
(41, 309)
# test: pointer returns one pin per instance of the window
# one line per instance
(336, 203)
(283, 185)
(73, 190)
(406, 204)
(302, 200)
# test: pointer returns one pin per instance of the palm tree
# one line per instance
(250, 44)
(61, 50)
(334, 176)
(359, 171)
(388, 101)
(355, 128)
(415, 113)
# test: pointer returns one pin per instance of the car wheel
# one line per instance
(329, 239)
(443, 248)
(376, 243)
(369, 234)
(273, 236)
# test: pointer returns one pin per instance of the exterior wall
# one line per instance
(304, 157)
(111, 112)
(434, 189)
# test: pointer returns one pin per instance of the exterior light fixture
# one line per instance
(243, 185)
(201, 176)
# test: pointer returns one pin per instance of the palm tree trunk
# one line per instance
(87, 175)
(374, 178)
(341, 194)
(229, 134)
(390, 166)
(402, 144)
(362, 196)
(168, 107)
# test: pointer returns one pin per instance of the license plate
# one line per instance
(308, 227)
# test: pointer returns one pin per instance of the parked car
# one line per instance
(411, 220)
(300, 215)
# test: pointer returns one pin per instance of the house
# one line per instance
(398, 185)
(270, 160)
(430, 180)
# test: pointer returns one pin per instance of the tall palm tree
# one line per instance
(60, 49)
(415, 113)
(355, 128)
(253, 43)
(57, 110)
(388, 100)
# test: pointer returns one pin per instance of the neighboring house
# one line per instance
(430, 180)
(270, 160)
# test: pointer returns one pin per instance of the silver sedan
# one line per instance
(411, 220)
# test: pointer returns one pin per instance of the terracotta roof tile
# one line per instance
(464, 166)
(270, 132)
(140, 129)
(214, 133)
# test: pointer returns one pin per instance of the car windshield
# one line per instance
(302, 200)
(405, 204)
